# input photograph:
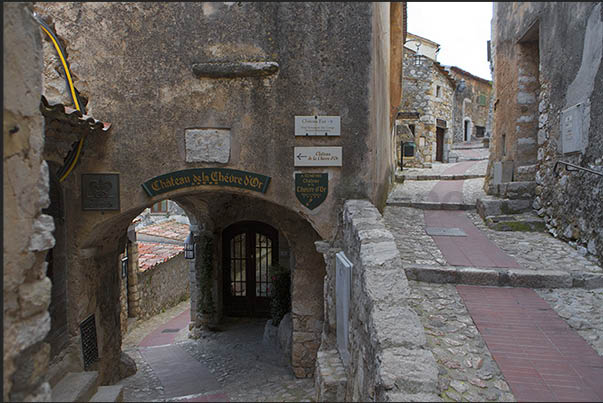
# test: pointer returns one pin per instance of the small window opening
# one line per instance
(159, 207)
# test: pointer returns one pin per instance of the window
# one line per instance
(482, 99)
(480, 131)
(412, 129)
(159, 207)
(438, 91)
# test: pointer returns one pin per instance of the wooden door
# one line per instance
(249, 249)
(439, 144)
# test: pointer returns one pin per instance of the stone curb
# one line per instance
(501, 277)
(425, 177)
(431, 205)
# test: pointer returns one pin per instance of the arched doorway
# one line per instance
(249, 249)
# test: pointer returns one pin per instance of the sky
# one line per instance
(461, 29)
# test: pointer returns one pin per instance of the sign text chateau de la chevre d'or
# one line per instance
(206, 177)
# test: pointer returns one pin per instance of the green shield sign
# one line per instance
(311, 189)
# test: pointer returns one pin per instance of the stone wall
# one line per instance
(387, 358)
(27, 232)
(550, 111)
(163, 286)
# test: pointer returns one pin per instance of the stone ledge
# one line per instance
(420, 177)
(234, 69)
(502, 277)
(430, 205)
(330, 379)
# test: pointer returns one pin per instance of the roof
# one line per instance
(151, 254)
(72, 116)
(441, 68)
(170, 229)
(466, 73)
(422, 38)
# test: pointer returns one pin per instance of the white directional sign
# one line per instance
(317, 156)
(317, 125)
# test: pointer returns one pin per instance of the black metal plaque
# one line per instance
(311, 189)
(100, 191)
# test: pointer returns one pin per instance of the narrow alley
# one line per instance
(522, 342)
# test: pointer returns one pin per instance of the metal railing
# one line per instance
(571, 168)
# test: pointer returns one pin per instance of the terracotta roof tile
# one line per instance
(153, 253)
(167, 229)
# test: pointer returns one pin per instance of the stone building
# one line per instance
(471, 106)
(204, 102)
(427, 107)
(548, 113)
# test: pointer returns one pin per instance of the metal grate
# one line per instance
(89, 345)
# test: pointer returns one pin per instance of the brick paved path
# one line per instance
(540, 356)
(166, 333)
(536, 349)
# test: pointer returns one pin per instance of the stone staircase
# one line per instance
(84, 387)
(509, 207)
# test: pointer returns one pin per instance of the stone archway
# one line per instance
(210, 212)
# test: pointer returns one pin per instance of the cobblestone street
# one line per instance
(231, 364)
(468, 371)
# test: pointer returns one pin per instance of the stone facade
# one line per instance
(249, 69)
(427, 109)
(27, 231)
(546, 112)
(472, 99)
(387, 359)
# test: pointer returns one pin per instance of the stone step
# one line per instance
(514, 190)
(330, 378)
(502, 277)
(76, 387)
(494, 206)
(425, 205)
(528, 222)
(113, 393)
(400, 178)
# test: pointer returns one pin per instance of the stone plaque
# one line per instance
(572, 134)
(100, 191)
(317, 126)
(207, 145)
(343, 283)
(317, 156)
(440, 231)
(206, 177)
(311, 189)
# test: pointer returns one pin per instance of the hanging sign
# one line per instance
(311, 189)
(206, 177)
(317, 125)
(317, 156)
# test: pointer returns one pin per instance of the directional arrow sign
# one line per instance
(317, 156)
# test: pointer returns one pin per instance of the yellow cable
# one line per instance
(71, 87)
(73, 95)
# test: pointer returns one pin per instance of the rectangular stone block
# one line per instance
(207, 145)
(539, 279)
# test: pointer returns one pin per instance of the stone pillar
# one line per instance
(203, 290)
(133, 294)
(27, 232)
